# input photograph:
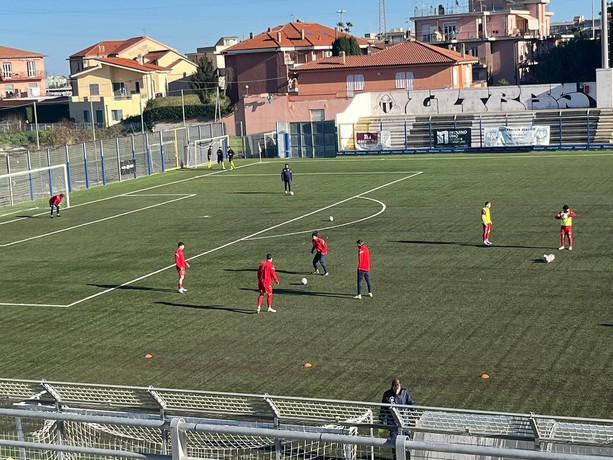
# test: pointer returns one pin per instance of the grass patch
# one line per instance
(445, 309)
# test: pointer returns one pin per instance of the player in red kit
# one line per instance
(266, 273)
(320, 248)
(54, 202)
(566, 226)
(181, 263)
(363, 268)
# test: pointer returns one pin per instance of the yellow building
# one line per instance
(113, 80)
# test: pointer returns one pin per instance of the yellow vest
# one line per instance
(568, 222)
(485, 215)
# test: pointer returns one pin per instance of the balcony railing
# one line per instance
(20, 76)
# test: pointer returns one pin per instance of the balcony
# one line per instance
(21, 76)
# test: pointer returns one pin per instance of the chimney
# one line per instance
(302, 34)
(463, 49)
(279, 37)
(139, 59)
(250, 34)
(269, 29)
(342, 54)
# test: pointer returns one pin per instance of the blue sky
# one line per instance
(60, 28)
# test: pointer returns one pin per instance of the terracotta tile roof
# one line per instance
(291, 35)
(108, 47)
(133, 65)
(6, 52)
(406, 53)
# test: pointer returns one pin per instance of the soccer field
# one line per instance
(85, 297)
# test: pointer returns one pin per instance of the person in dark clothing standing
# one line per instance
(220, 158)
(396, 395)
(286, 178)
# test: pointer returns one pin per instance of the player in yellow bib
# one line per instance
(566, 226)
(486, 221)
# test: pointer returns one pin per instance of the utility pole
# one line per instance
(604, 34)
(183, 107)
(36, 127)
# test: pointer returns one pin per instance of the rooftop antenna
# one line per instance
(382, 21)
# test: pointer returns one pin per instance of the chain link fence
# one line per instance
(107, 161)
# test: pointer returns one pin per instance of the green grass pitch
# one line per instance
(85, 297)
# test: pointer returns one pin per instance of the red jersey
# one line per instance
(320, 245)
(363, 258)
(55, 200)
(180, 258)
(267, 273)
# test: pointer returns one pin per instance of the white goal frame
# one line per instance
(34, 184)
(195, 155)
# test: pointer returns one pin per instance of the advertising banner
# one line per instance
(128, 167)
(509, 136)
(372, 140)
(452, 137)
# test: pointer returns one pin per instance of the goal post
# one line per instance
(34, 184)
(196, 153)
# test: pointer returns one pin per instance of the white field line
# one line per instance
(340, 173)
(85, 224)
(16, 212)
(231, 243)
(2, 304)
(135, 192)
(381, 211)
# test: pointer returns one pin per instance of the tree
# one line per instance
(348, 44)
(344, 26)
(573, 61)
(204, 81)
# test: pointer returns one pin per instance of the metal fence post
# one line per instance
(30, 179)
(133, 154)
(587, 121)
(162, 152)
(85, 166)
(560, 126)
(102, 164)
(118, 159)
(148, 154)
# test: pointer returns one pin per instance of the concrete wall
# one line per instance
(478, 100)
(261, 113)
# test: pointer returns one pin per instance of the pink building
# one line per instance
(22, 73)
(263, 63)
(407, 65)
(505, 35)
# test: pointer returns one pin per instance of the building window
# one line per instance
(117, 115)
(7, 69)
(119, 90)
(354, 83)
(426, 33)
(473, 51)
(31, 68)
(318, 114)
(94, 89)
(449, 31)
(404, 80)
(86, 116)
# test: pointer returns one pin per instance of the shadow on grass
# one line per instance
(243, 311)
(605, 325)
(132, 288)
(254, 270)
(479, 245)
(255, 193)
(301, 292)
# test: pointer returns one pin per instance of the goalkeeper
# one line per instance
(54, 202)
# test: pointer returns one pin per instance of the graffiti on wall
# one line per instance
(493, 99)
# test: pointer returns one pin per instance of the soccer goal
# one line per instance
(196, 153)
(34, 184)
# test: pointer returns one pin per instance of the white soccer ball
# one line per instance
(304, 281)
(291, 193)
(331, 218)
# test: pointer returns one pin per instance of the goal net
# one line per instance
(197, 152)
(34, 184)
